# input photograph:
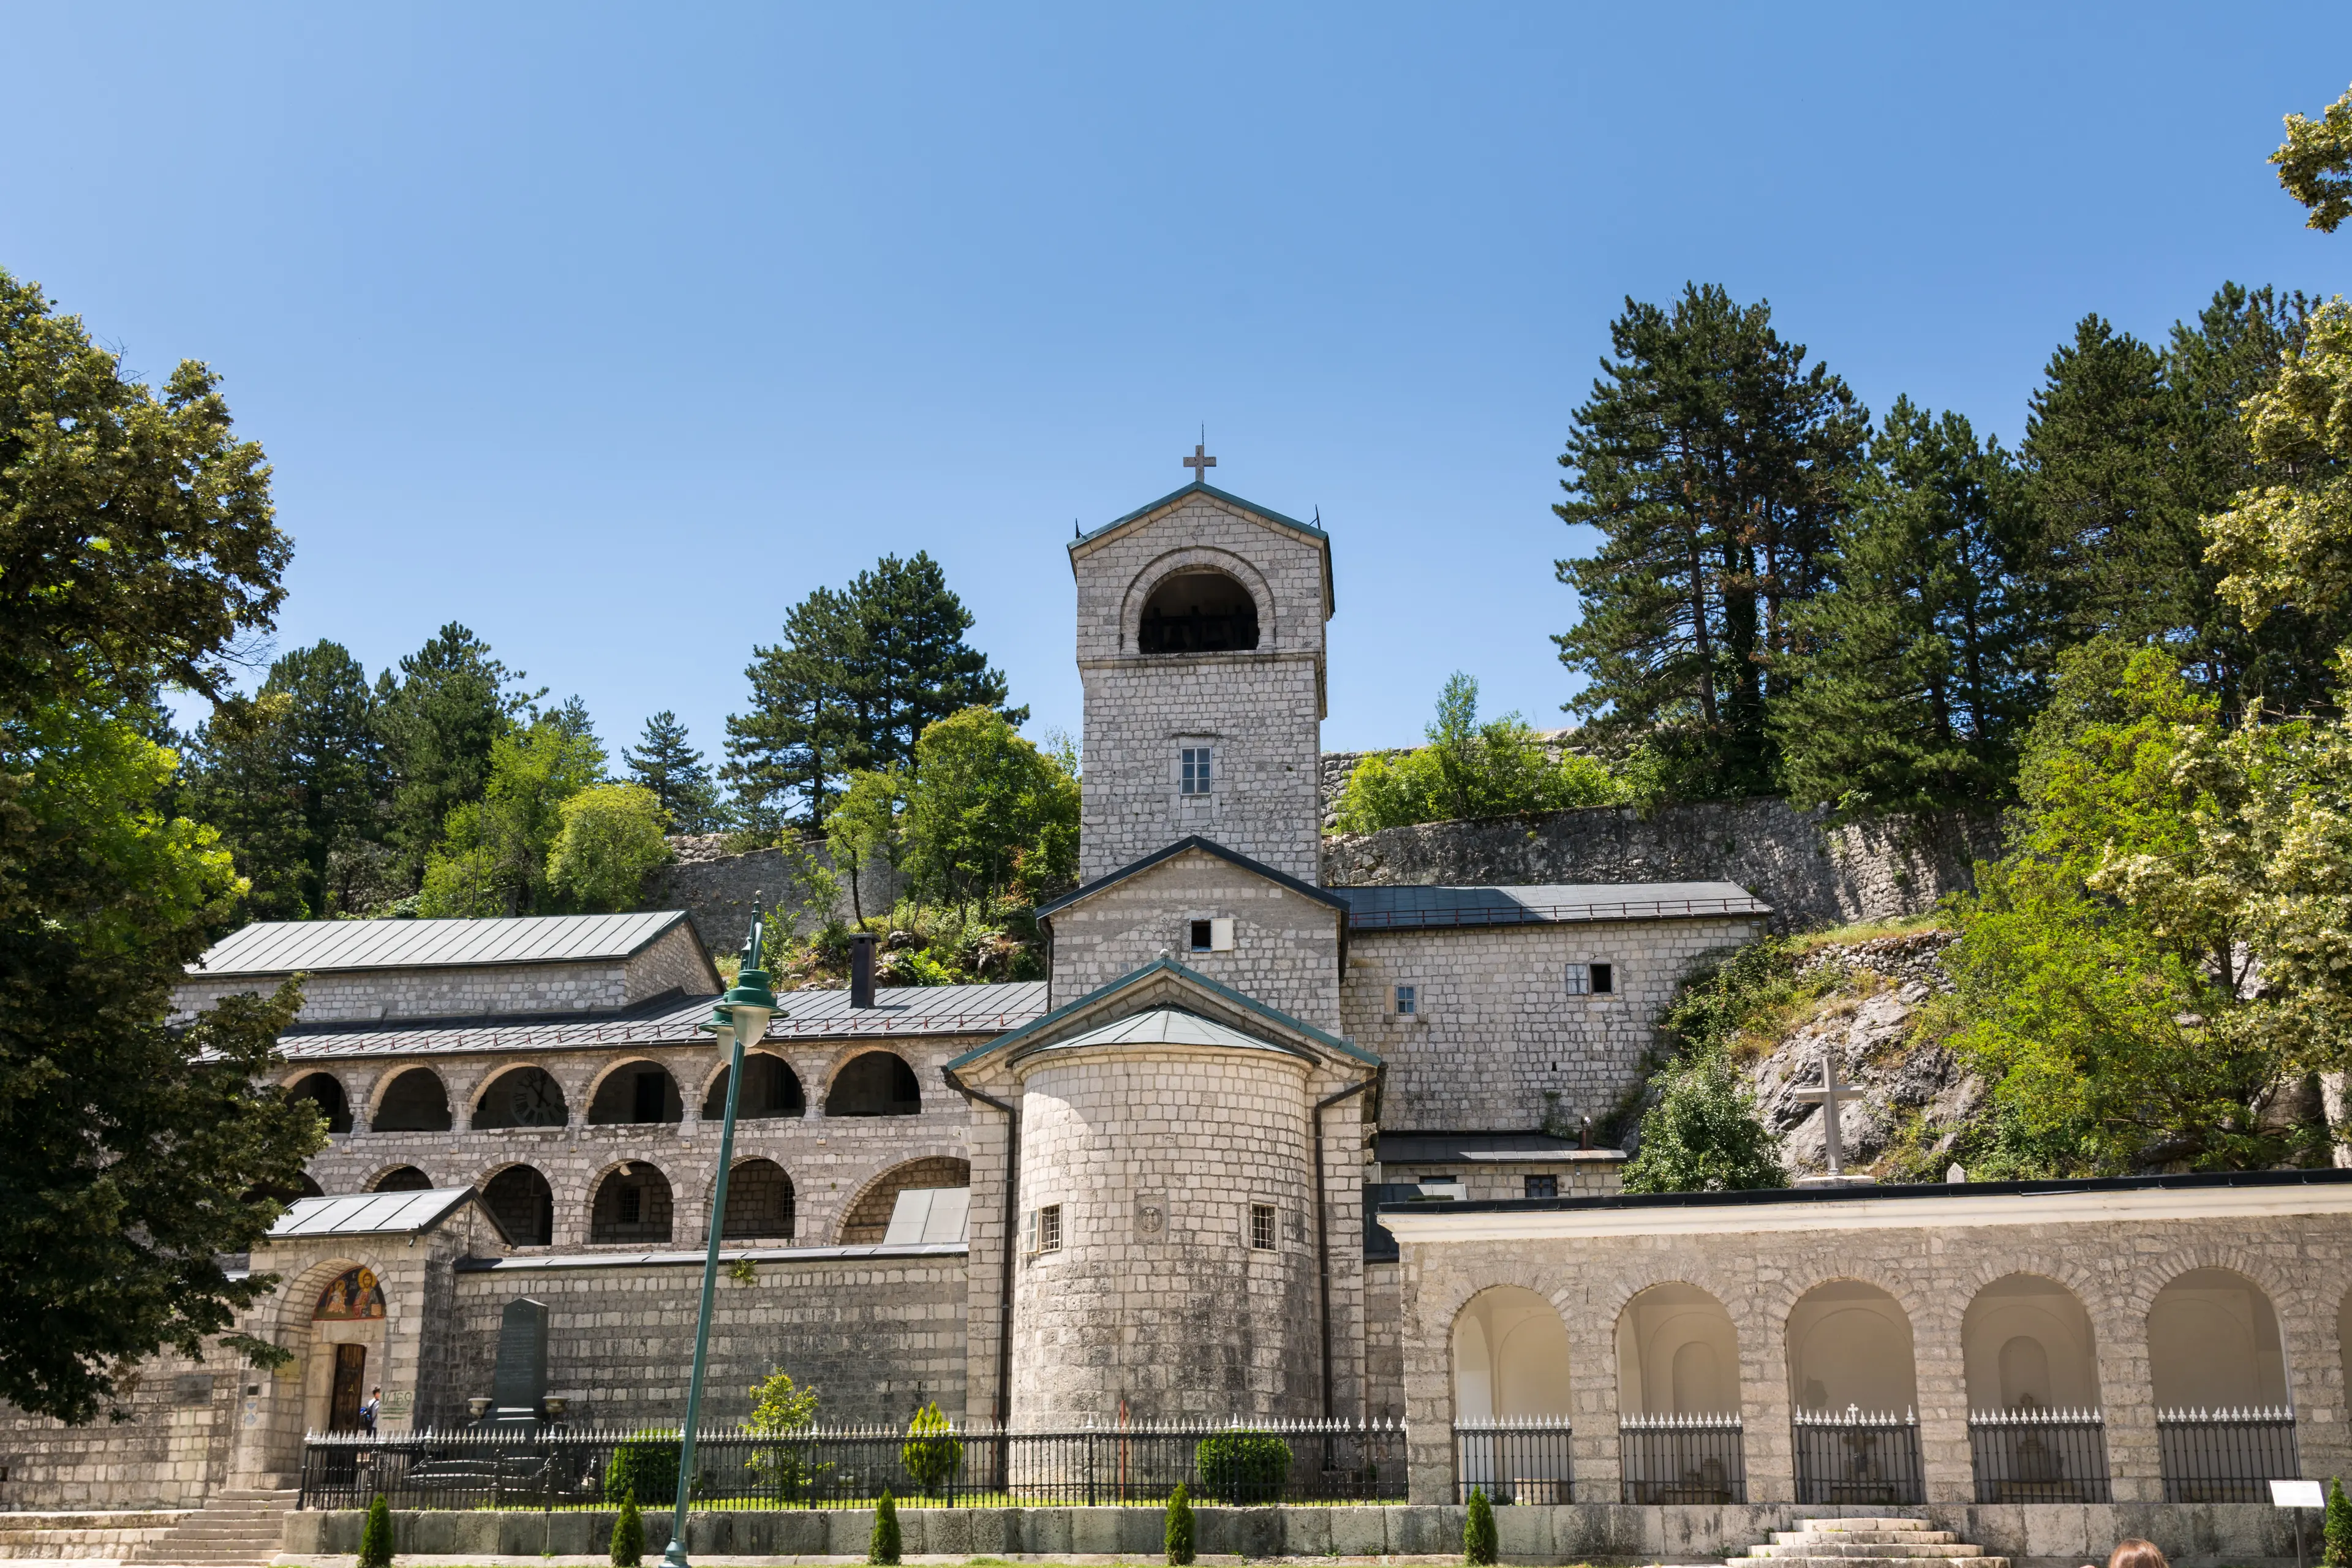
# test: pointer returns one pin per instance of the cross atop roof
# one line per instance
(1200, 462)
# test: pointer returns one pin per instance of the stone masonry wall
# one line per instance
(454, 991)
(168, 1454)
(1811, 873)
(715, 889)
(878, 1334)
(1285, 950)
(1496, 1041)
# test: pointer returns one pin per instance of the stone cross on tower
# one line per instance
(1832, 1093)
(1200, 462)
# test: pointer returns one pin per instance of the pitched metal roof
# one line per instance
(281, 947)
(1335, 896)
(1166, 966)
(676, 1020)
(1402, 909)
(1199, 487)
(1163, 1026)
(369, 1213)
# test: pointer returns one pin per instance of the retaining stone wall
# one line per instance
(715, 887)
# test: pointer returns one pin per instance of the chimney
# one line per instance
(861, 969)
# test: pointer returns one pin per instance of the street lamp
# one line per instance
(742, 1015)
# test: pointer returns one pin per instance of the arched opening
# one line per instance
(403, 1179)
(413, 1102)
(1198, 611)
(521, 1097)
(1510, 1374)
(635, 1092)
(759, 1201)
(347, 1324)
(770, 1088)
(632, 1206)
(519, 1200)
(1678, 1398)
(868, 1220)
(2217, 1364)
(878, 1083)
(2032, 1372)
(325, 1090)
(1855, 1391)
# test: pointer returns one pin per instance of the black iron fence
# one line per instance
(1683, 1459)
(1857, 1458)
(1516, 1460)
(2039, 1455)
(1314, 1462)
(2225, 1456)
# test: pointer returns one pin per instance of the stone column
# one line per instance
(2128, 1395)
(2316, 1386)
(1764, 1400)
(1428, 1392)
(1940, 1366)
(1593, 1392)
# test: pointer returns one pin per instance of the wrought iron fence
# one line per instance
(1519, 1460)
(2040, 1456)
(1266, 1462)
(1683, 1459)
(1858, 1457)
(2225, 1456)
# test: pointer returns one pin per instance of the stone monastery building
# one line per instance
(1148, 1184)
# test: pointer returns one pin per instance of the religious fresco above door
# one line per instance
(352, 1295)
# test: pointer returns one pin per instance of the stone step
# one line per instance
(1787, 1545)
(1870, 1537)
(1779, 1561)
(1865, 1521)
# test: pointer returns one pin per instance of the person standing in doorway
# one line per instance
(368, 1410)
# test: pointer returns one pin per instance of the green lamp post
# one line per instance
(742, 1015)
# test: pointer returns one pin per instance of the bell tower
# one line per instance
(1201, 623)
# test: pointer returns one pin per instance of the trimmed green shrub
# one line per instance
(884, 1546)
(1242, 1466)
(1478, 1528)
(642, 1468)
(1180, 1527)
(628, 1535)
(2337, 1532)
(375, 1537)
(933, 1453)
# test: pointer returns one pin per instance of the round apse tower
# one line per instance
(1167, 1253)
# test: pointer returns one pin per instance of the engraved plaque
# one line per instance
(1151, 1215)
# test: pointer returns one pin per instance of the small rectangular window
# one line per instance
(1202, 936)
(1049, 1229)
(1543, 1186)
(1198, 770)
(1580, 980)
(1604, 978)
(1408, 1000)
(1261, 1227)
(632, 1205)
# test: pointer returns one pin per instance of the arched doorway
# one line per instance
(520, 1201)
(1854, 1392)
(415, 1102)
(878, 1083)
(867, 1219)
(632, 1206)
(770, 1089)
(635, 1092)
(1679, 1423)
(2218, 1364)
(347, 1324)
(759, 1203)
(1511, 1397)
(520, 1097)
(325, 1090)
(2033, 1370)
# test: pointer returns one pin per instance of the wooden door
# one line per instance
(351, 1374)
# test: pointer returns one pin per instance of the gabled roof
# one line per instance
(369, 1213)
(1413, 908)
(1265, 514)
(1162, 980)
(282, 947)
(1334, 897)
(1161, 1027)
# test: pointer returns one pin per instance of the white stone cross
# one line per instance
(1828, 1097)
(1200, 462)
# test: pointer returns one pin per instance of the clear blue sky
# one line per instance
(612, 332)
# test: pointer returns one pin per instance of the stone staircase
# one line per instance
(1871, 1542)
(108, 1534)
(239, 1528)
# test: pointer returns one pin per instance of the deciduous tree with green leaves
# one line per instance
(2315, 164)
(610, 841)
(493, 857)
(440, 720)
(1470, 770)
(989, 813)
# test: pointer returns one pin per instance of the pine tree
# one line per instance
(452, 702)
(1180, 1527)
(1713, 462)
(916, 663)
(629, 1535)
(883, 1547)
(1479, 1543)
(2337, 1533)
(375, 1536)
(665, 762)
(1912, 686)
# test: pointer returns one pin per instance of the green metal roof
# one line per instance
(1166, 1026)
(1168, 966)
(1251, 506)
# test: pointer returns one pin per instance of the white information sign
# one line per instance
(2297, 1494)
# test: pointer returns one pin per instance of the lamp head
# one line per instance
(750, 1005)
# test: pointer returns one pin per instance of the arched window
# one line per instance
(635, 1092)
(521, 1097)
(770, 1088)
(1856, 1390)
(632, 1206)
(868, 1219)
(2026, 1344)
(759, 1203)
(403, 1179)
(878, 1083)
(325, 1090)
(1198, 611)
(519, 1201)
(413, 1102)
(1510, 1357)
(1677, 1354)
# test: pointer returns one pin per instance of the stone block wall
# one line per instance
(1285, 950)
(169, 1454)
(1813, 874)
(715, 889)
(1496, 1041)
(467, 991)
(878, 1332)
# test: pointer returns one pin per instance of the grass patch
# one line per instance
(1812, 942)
